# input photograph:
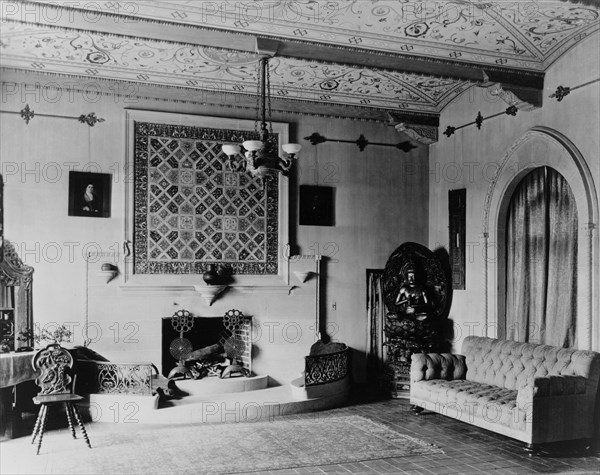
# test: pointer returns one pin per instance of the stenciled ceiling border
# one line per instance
(528, 35)
(87, 54)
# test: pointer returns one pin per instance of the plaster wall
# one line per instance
(380, 202)
(471, 158)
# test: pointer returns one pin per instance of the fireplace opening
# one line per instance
(212, 343)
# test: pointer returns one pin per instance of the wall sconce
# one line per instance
(108, 271)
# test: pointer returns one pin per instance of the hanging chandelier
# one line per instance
(261, 158)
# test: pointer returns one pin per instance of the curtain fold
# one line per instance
(376, 312)
(541, 260)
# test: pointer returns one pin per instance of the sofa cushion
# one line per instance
(437, 366)
(468, 400)
(514, 365)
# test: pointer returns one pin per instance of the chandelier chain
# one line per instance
(258, 97)
(268, 73)
(261, 156)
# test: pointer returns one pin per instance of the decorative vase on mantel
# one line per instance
(211, 277)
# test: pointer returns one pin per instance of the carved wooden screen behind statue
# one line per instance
(190, 211)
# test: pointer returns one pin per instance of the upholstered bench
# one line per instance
(533, 393)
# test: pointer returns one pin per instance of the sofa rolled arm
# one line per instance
(554, 385)
(426, 366)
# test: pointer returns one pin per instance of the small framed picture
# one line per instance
(316, 205)
(89, 194)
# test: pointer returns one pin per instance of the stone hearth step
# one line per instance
(250, 406)
(215, 385)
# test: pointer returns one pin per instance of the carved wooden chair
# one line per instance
(54, 365)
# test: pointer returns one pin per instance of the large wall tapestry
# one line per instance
(190, 211)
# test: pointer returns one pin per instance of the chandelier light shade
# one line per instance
(261, 157)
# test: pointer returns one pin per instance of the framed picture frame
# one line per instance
(89, 194)
(316, 205)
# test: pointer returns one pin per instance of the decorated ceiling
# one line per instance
(353, 58)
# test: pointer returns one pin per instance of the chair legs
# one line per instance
(42, 428)
(72, 413)
(38, 422)
(81, 426)
(69, 411)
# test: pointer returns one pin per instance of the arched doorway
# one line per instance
(538, 147)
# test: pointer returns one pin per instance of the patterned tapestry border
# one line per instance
(190, 211)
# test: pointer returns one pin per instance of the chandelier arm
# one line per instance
(285, 164)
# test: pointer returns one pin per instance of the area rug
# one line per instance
(309, 440)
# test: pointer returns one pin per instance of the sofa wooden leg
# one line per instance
(588, 446)
(532, 449)
(416, 409)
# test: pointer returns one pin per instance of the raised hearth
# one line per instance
(212, 385)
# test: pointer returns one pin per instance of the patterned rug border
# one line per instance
(377, 429)
(295, 441)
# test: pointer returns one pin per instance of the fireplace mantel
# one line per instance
(209, 293)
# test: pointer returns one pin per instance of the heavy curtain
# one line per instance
(376, 312)
(541, 260)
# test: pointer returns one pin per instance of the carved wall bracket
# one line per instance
(562, 91)
(523, 89)
(361, 142)
(511, 110)
(422, 128)
(27, 114)
(511, 98)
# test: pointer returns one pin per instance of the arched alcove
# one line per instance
(538, 147)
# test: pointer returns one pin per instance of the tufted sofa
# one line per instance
(533, 393)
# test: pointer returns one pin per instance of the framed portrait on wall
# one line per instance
(89, 194)
(316, 205)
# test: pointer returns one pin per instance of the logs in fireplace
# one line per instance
(211, 343)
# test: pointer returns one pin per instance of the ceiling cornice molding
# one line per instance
(166, 93)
